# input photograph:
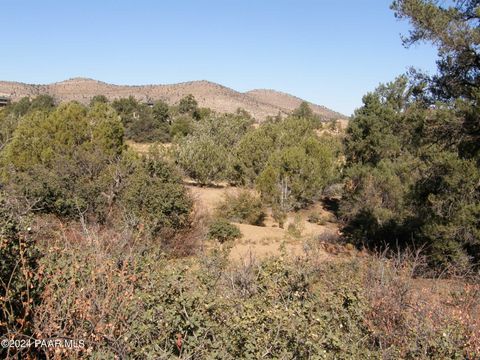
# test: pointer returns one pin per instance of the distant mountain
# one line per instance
(260, 103)
(289, 102)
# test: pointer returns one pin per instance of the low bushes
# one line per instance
(19, 287)
(243, 207)
(223, 231)
(320, 218)
(152, 197)
(274, 308)
(414, 318)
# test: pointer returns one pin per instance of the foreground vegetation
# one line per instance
(100, 243)
(132, 302)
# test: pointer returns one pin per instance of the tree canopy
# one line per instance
(412, 149)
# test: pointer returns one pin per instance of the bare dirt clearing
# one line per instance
(268, 240)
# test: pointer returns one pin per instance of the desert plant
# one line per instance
(55, 161)
(221, 230)
(295, 228)
(279, 215)
(314, 218)
(19, 285)
(181, 126)
(205, 152)
(152, 196)
(202, 159)
(98, 99)
(72, 162)
(408, 323)
(172, 308)
(187, 105)
(242, 207)
(141, 122)
(320, 218)
(296, 175)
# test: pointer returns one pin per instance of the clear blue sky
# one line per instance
(330, 52)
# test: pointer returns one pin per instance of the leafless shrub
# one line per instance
(242, 277)
(328, 236)
(190, 240)
(407, 309)
(88, 281)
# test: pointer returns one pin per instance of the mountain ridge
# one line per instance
(258, 102)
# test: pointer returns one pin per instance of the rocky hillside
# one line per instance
(260, 103)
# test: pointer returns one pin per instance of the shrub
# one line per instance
(303, 111)
(295, 228)
(148, 129)
(206, 153)
(93, 286)
(410, 323)
(296, 176)
(328, 236)
(225, 130)
(405, 183)
(72, 162)
(287, 161)
(142, 123)
(8, 123)
(161, 112)
(202, 159)
(279, 215)
(294, 231)
(223, 231)
(55, 160)
(254, 150)
(98, 99)
(43, 103)
(447, 200)
(321, 218)
(243, 207)
(252, 153)
(292, 309)
(10, 117)
(153, 197)
(187, 105)
(181, 126)
(314, 218)
(19, 287)
(20, 108)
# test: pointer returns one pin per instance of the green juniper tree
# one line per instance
(412, 149)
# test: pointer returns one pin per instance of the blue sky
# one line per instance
(330, 52)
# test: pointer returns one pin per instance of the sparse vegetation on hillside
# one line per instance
(259, 103)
